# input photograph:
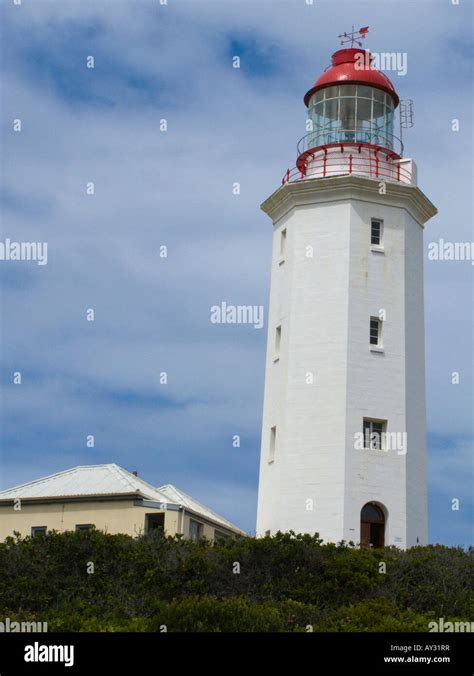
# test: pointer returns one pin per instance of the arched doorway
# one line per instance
(372, 526)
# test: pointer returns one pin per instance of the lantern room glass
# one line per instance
(356, 113)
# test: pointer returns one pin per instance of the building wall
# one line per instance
(112, 516)
(416, 481)
(270, 510)
(376, 380)
(120, 516)
(317, 480)
(305, 389)
(207, 530)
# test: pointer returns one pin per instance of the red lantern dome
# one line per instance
(346, 68)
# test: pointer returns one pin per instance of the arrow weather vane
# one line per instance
(356, 37)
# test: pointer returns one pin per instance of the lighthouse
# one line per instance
(343, 449)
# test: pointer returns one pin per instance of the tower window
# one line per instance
(283, 243)
(273, 433)
(374, 433)
(375, 331)
(376, 232)
(277, 341)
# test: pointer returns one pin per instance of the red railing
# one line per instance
(331, 165)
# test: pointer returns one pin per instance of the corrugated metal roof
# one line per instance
(174, 495)
(85, 480)
(103, 480)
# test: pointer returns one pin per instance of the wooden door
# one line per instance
(365, 534)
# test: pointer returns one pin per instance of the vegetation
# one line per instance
(92, 581)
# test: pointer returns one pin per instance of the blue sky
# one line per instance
(174, 188)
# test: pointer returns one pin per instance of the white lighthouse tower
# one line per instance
(343, 438)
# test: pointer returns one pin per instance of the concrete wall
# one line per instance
(113, 516)
(305, 389)
(120, 516)
(207, 530)
(317, 480)
(376, 380)
(416, 482)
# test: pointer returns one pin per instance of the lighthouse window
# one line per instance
(283, 243)
(319, 96)
(373, 433)
(350, 113)
(277, 341)
(330, 92)
(376, 232)
(379, 95)
(330, 113)
(375, 331)
(348, 90)
(273, 433)
(364, 92)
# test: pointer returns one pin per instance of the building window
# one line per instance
(154, 522)
(83, 526)
(267, 533)
(375, 331)
(376, 232)
(220, 537)
(195, 530)
(283, 243)
(273, 434)
(277, 341)
(38, 530)
(374, 433)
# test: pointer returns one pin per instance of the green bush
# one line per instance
(374, 615)
(283, 583)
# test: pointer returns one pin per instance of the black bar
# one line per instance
(327, 653)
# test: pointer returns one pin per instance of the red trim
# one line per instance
(304, 156)
(371, 166)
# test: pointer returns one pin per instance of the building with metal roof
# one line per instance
(109, 498)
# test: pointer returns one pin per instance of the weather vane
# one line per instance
(356, 37)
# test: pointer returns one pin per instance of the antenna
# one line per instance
(355, 37)
(406, 116)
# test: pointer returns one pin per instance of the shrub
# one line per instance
(285, 583)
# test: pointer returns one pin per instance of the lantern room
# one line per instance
(350, 123)
(351, 112)
(351, 101)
